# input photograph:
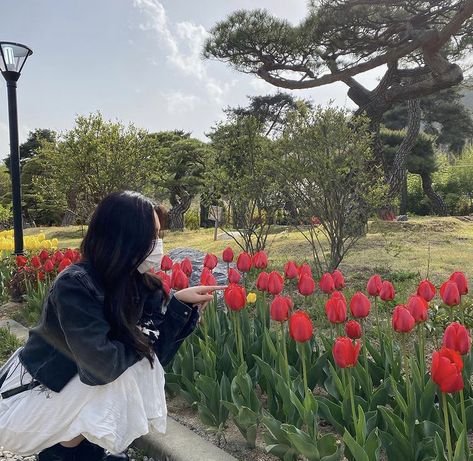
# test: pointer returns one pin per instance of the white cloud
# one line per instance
(179, 102)
(182, 42)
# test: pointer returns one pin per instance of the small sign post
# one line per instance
(216, 214)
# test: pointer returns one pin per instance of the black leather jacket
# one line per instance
(73, 334)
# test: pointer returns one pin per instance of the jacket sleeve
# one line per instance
(172, 327)
(99, 359)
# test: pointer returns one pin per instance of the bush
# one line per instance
(192, 220)
(9, 343)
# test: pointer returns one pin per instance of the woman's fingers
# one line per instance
(205, 289)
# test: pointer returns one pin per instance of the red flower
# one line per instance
(176, 267)
(460, 279)
(300, 327)
(387, 292)
(260, 260)
(306, 285)
(204, 274)
(166, 263)
(41, 276)
(290, 270)
(235, 297)
(336, 310)
(209, 279)
(304, 269)
(43, 255)
(21, 261)
(262, 281)
(419, 308)
(179, 280)
(233, 276)
(338, 295)
(338, 279)
(63, 264)
(374, 285)
(227, 255)
(58, 256)
(353, 329)
(186, 266)
(280, 307)
(426, 289)
(326, 284)
(345, 352)
(244, 262)
(210, 261)
(447, 366)
(456, 337)
(360, 305)
(402, 320)
(275, 283)
(48, 266)
(35, 262)
(450, 293)
(69, 254)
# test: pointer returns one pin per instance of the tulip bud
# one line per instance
(336, 310)
(353, 329)
(426, 289)
(44, 255)
(300, 327)
(360, 305)
(450, 293)
(280, 307)
(402, 320)
(21, 261)
(227, 255)
(63, 264)
(262, 281)
(456, 337)
(338, 279)
(166, 263)
(186, 266)
(210, 261)
(48, 266)
(305, 269)
(387, 292)
(235, 297)
(374, 285)
(275, 283)
(326, 284)
(260, 260)
(290, 270)
(179, 280)
(35, 262)
(251, 298)
(306, 285)
(345, 352)
(244, 262)
(233, 276)
(447, 366)
(460, 279)
(419, 308)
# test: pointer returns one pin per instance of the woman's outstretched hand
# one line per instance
(198, 295)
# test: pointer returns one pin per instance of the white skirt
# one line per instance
(112, 416)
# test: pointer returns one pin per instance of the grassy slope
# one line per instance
(399, 249)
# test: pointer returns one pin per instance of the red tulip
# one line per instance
(179, 280)
(63, 264)
(166, 263)
(345, 352)
(275, 283)
(41, 276)
(58, 256)
(426, 289)
(233, 276)
(456, 337)
(43, 255)
(306, 285)
(21, 261)
(69, 254)
(163, 276)
(262, 281)
(300, 326)
(48, 266)
(387, 292)
(209, 280)
(450, 293)
(419, 308)
(338, 295)
(35, 262)
(360, 305)
(244, 262)
(447, 366)
(260, 260)
(204, 274)
(176, 267)
(280, 308)
(336, 310)
(460, 279)
(353, 329)
(402, 320)
(186, 266)
(374, 285)
(304, 269)
(326, 284)
(210, 261)
(290, 270)
(227, 255)
(235, 297)
(338, 279)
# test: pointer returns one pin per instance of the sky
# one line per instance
(138, 61)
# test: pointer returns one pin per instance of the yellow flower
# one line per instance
(251, 298)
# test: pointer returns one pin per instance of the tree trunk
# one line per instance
(438, 205)
(403, 204)
(176, 214)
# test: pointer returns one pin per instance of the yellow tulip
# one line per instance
(251, 298)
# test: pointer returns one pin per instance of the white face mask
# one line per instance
(154, 258)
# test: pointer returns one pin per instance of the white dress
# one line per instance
(112, 415)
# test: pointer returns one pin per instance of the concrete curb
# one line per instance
(180, 444)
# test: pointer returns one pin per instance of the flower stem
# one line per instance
(284, 349)
(377, 318)
(405, 360)
(238, 337)
(304, 367)
(363, 346)
(462, 405)
(447, 426)
(421, 351)
(352, 400)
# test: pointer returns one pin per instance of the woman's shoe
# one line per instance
(88, 451)
(58, 452)
(118, 457)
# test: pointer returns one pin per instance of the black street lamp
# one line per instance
(12, 59)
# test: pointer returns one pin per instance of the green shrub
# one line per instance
(192, 220)
(9, 343)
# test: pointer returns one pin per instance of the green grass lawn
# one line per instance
(399, 249)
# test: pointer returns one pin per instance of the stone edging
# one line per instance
(178, 444)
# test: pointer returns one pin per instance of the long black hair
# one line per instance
(120, 236)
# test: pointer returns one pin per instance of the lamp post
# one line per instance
(12, 59)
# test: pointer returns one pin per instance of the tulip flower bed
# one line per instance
(324, 373)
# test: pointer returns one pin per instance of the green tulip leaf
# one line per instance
(355, 448)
